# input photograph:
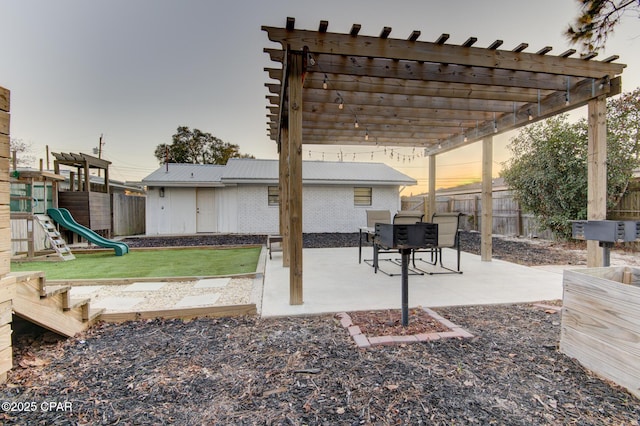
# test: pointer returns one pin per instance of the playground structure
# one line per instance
(82, 208)
(87, 200)
(65, 219)
(32, 192)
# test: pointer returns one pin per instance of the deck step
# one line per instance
(94, 314)
(35, 279)
(75, 303)
(52, 290)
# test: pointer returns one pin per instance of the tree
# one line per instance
(22, 152)
(548, 170)
(197, 147)
(597, 19)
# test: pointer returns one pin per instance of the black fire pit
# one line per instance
(406, 238)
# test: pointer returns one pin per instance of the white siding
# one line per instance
(175, 213)
(227, 209)
(152, 212)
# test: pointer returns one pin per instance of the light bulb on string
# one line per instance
(355, 124)
(366, 134)
(325, 85)
(530, 116)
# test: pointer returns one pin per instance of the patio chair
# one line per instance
(373, 217)
(409, 217)
(448, 237)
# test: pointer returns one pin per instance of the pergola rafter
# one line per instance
(365, 90)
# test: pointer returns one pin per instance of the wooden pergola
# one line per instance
(349, 89)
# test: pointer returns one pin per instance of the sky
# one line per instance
(132, 71)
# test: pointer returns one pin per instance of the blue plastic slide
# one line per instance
(64, 218)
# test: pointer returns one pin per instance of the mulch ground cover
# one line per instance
(308, 370)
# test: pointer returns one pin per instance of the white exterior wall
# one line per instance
(330, 208)
(255, 215)
(175, 213)
(245, 210)
(226, 201)
(326, 208)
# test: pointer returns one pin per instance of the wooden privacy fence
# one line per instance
(629, 206)
(508, 218)
(128, 214)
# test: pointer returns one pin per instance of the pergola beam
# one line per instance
(396, 49)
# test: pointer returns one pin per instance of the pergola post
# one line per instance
(295, 176)
(486, 229)
(283, 189)
(597, 173)
(432, 188)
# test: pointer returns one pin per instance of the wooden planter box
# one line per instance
(601, 322)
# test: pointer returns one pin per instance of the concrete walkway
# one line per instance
(334, 281)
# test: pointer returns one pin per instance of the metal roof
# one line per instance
(316, 172)
(243, 171)
(174, 174)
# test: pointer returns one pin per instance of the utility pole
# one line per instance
(98, 150)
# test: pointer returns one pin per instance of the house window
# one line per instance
(273, 195)
(362, 196)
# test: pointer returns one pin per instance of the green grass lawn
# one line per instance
(149, 263)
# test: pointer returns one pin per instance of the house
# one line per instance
(242, 196)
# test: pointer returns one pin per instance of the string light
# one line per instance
(530, 115)
(341, 104)
(462, 133)
(366, 134)
(324, 83)
(495, 127)
(356, 125)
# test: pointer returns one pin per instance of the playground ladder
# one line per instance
(53, 235)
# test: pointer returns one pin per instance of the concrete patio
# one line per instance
(334, 281)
